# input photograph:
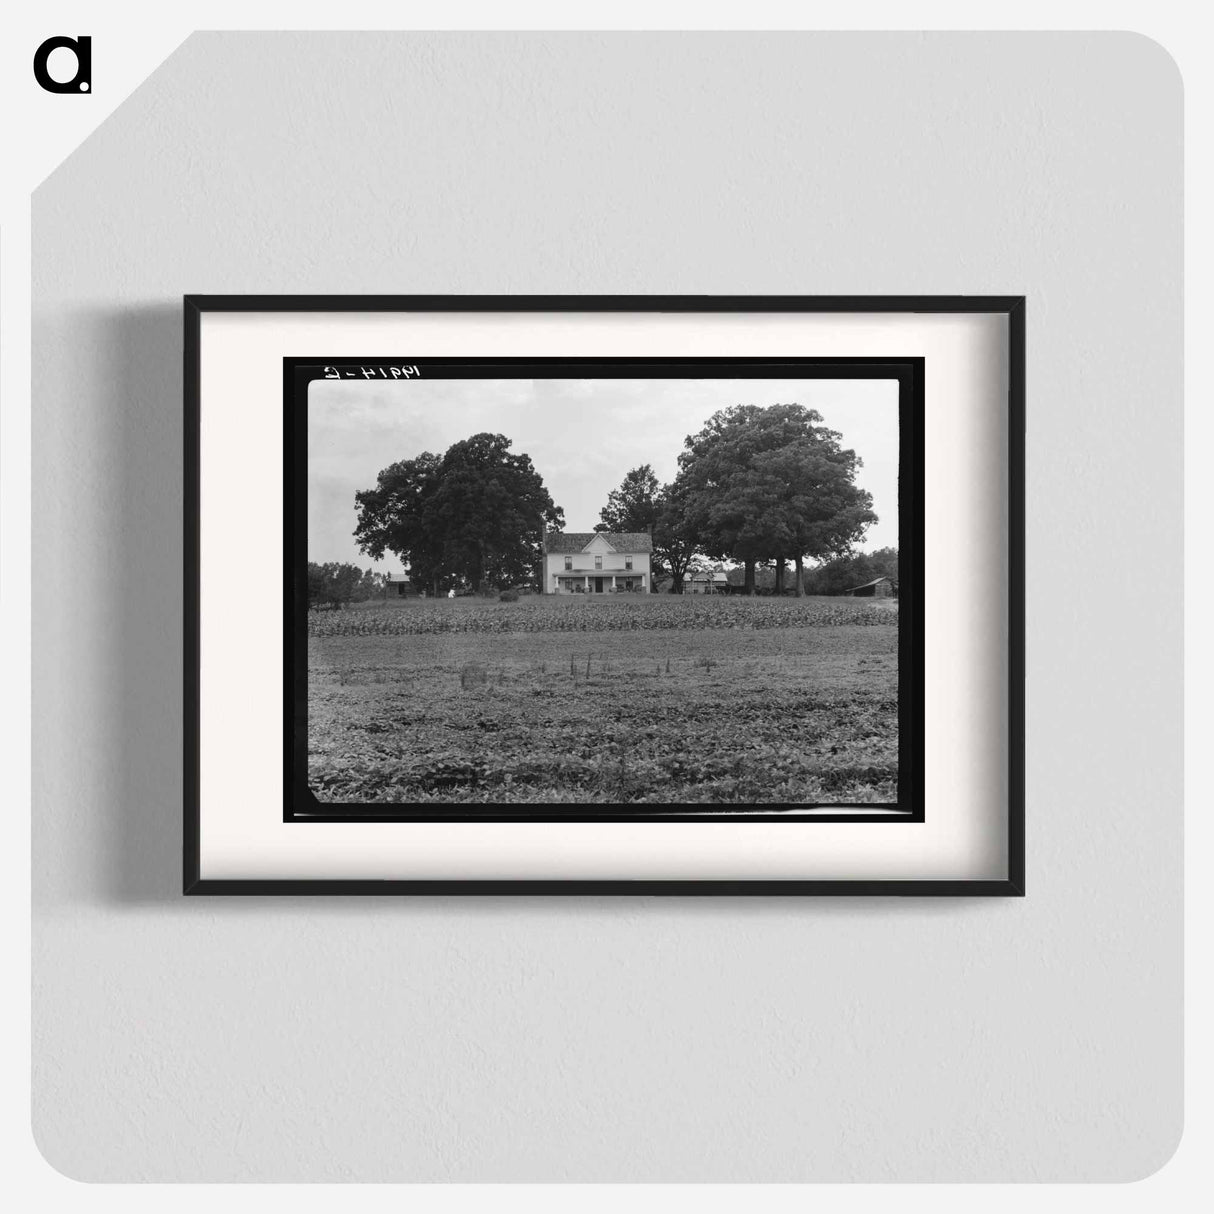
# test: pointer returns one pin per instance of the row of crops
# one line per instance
(562, 615)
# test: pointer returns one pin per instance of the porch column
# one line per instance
(613, 583)
(586, 582)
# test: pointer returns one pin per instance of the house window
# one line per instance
(598, 562)
(569, 562)
(628, 562)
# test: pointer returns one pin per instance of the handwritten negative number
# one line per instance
(374, 372)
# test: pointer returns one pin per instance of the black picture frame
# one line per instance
(910, 642)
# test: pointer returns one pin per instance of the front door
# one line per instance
(598, 585)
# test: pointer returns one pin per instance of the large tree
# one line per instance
(396, 516)
(492, 511)
(634, 506)
(814, 506)
(673, 544)
(640, 504)
(771, 484)
(478, 514)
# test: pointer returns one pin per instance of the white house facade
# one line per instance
(597, 562)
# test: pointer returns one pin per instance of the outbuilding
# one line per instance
(706, 581)
(399, 587)
(878, 588)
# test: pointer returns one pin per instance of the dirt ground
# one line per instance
(791, 712)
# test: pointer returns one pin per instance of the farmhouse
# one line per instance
(596, 562)
(878, 588)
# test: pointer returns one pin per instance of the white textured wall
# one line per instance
(616, 1039)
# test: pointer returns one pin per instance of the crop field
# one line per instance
(641, 699)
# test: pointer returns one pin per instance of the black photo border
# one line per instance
(910, 507)
(300, 802)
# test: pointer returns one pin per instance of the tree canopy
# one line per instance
(635, 505)
(834, 577)
(770, 484)
(396, 517)
(756, 485)
(640, 504)
(478, 514)
(335, 584)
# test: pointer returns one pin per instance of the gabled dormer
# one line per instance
(599, 544)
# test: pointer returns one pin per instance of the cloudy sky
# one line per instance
(583, 435)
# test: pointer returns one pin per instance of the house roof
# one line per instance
(865, 585)
(620, 541)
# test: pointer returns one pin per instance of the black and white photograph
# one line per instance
(605, 594)
(529, 588)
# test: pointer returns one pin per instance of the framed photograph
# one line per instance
(604, 595)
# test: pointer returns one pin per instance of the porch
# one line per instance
(598, 583)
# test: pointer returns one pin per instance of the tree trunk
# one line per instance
(750, 577)
(779, 575)
(678, 570)
(478, 572)
(800, 576)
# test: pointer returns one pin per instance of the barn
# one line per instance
(878, 588)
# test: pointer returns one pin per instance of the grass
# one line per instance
(639, 699)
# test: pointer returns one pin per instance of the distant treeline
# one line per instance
(832, 577)
(332, 585)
